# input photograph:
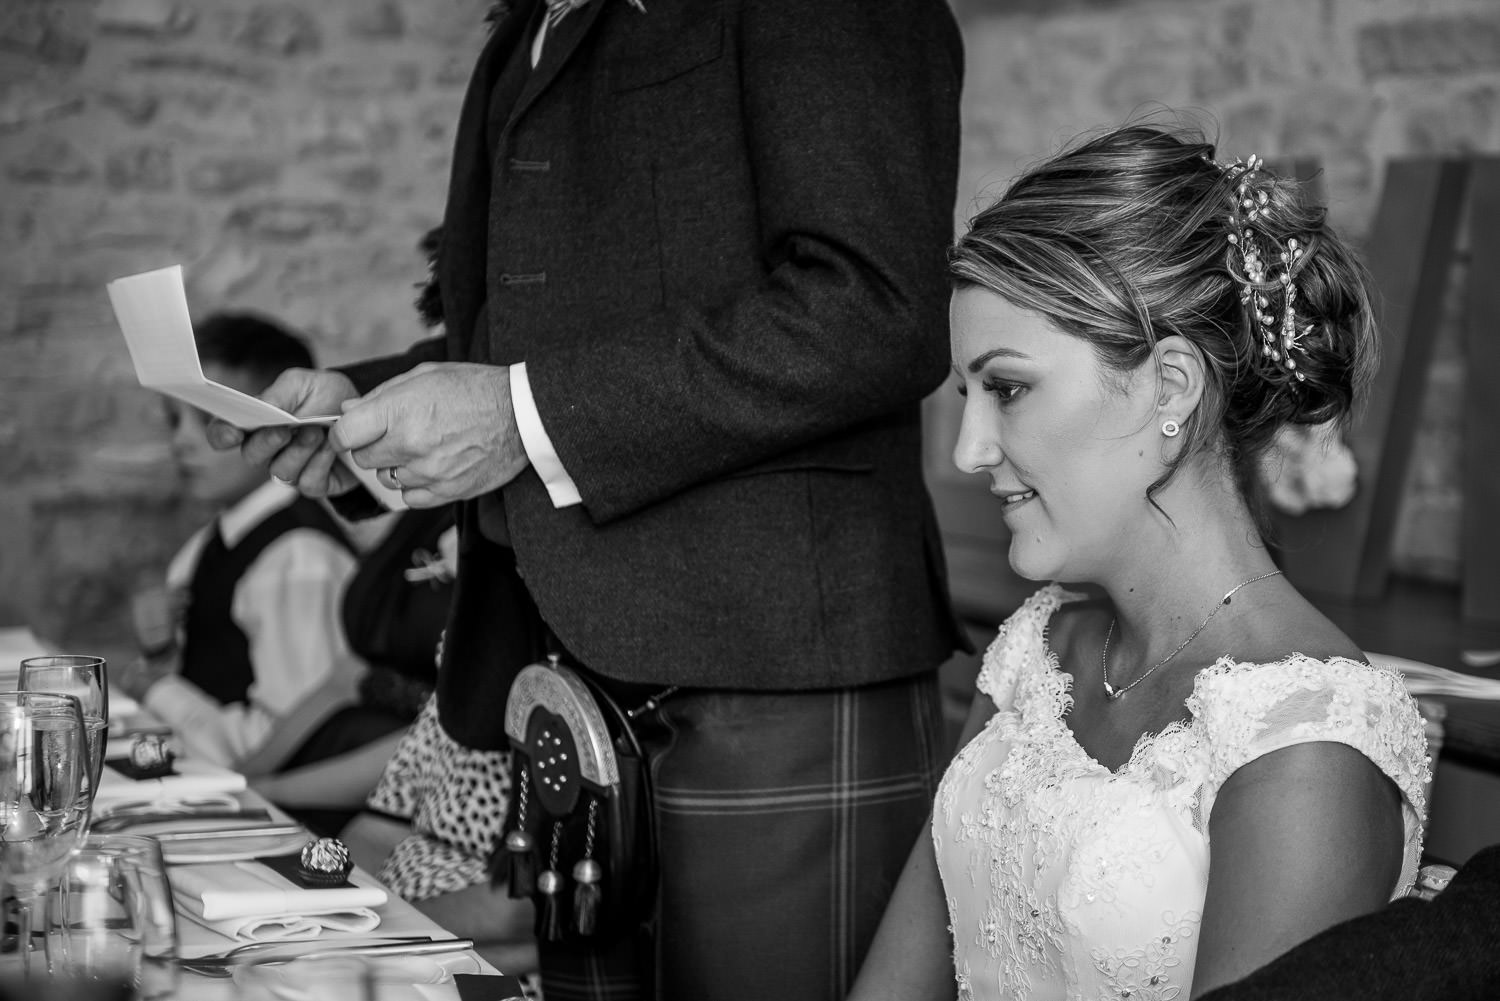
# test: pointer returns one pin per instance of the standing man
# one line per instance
(692, 278)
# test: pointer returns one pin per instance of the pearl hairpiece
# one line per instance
(1261, 279)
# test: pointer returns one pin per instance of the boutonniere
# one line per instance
(436, 568)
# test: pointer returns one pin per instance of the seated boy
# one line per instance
(252, 657)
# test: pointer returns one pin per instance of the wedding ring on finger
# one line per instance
(390, 472)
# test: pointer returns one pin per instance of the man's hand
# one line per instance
(447, 430)
(301, 456)
(137, 677)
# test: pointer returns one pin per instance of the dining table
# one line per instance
(206, 797)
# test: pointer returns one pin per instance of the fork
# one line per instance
(222, 965)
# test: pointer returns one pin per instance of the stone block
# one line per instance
(1440, 43)
(43, 33)
(365, 79)
(26, 105)
(152, 18)
(1445, 123)
(145, 167)
(323, 131)
(377, 22)
(230, 175)
(224, 273)
(133, 108)
(208, 118)
(51, 160)
(291, 220)
(279, 29)
(358, 178)
(195, 64)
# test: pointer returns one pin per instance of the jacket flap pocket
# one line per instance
(693, 46)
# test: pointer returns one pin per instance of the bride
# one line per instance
(1175, 767)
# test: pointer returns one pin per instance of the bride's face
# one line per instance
(1069, 446)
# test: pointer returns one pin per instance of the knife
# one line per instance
(121, 821)
(263, 831)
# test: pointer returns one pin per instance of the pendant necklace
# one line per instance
(1114, 693)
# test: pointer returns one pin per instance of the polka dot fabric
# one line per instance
(456, 799)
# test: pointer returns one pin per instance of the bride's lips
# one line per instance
(1011, 498)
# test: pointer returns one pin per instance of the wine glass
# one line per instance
(85, 677)
(112, 929)
(44, 797)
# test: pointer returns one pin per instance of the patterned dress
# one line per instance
(1066, 880)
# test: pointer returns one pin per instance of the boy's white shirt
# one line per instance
(288, 603)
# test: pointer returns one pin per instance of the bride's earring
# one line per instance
(1169, 427)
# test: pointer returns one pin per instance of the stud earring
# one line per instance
(1170, 428)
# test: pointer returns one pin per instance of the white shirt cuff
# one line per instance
(560, 486)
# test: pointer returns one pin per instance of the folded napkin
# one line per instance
(250, 902)
(277, 928)
(250, 889)
(191, 778)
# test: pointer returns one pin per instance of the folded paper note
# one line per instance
(152, 311)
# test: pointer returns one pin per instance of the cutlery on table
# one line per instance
(216, 833)
(120, 821)
(266, 953)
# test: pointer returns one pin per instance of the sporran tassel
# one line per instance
(549, 883)
(520, 852)
(587, 893)
(586, 896)
(520, 848)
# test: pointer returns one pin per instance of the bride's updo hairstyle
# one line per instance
(1139, 234)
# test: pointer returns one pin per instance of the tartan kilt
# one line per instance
(784, 820)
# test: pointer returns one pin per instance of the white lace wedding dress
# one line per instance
(1068, 881)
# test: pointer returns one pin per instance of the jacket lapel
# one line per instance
(460, 281)
(558, 48)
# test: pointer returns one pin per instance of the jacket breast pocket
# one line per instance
(693, 46)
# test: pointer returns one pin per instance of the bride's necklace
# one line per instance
(1114, 693)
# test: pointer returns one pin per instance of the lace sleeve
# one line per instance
(1021, 641)
(1249, 710)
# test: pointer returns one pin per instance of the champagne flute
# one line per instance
(44, 798)
(85, 677)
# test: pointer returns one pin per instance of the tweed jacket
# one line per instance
(714, 231)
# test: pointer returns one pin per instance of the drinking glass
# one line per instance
(44, 799)
(85, 677)
(112, 929)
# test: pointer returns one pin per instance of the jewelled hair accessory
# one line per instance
(1262, 280)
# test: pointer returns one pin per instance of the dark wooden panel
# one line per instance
(1481, 449)
(1346, 553)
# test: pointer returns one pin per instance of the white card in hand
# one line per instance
(152, 311)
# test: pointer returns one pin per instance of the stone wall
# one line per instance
(289, 155)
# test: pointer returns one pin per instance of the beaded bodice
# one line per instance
(1066, 880)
